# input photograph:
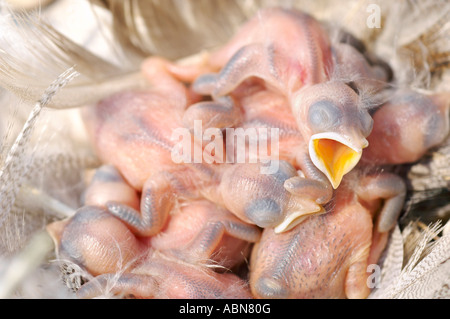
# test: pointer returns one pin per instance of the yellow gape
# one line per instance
(335, 159)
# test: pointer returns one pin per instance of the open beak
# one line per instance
(335, 155)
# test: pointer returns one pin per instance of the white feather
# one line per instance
(14, 170)
(426, 274)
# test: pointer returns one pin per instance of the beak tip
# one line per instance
(334, 156)
(335, 181)
(297, 217)
(335, 184)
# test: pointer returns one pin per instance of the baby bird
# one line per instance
(198, 236)
(407, 126)
(124, 265)
(291, 53)
(327, 256)
(200, 232)
(134, 132)
(158, 277)
(263, 109)
(197, 231)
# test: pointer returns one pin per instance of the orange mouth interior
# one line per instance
(337, 159)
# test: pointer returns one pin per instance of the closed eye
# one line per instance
(353, 86)
(324, 115)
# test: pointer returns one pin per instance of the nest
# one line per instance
(45, 173)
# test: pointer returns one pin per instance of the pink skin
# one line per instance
(350, 64)
(407, 126)
(198, 235)
(346, 118)
(290, 53)
(132, 250)
(304, 49)
(198, 231)
(262, 108)
(301, 56)
(96, 241)
(107, 184)
(161, 278)
(327, 256)
(128, 265)
(124, 265)
(203, 233)
(262, 199)
(132, 129)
